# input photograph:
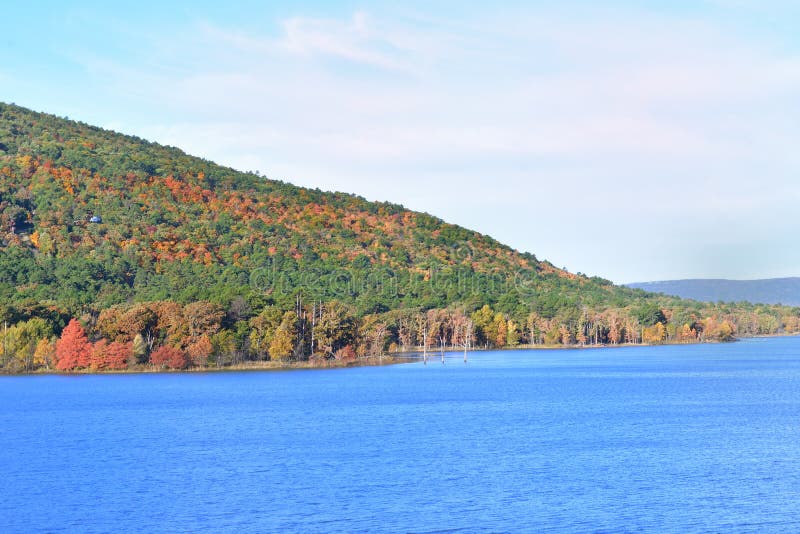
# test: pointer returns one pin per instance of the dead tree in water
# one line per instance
(425, 346)
(468, 332)
(313, 324)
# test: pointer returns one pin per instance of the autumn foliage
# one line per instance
(99, 350)
(112, 355)
(73, 349)
(199, 351)
(170, 357)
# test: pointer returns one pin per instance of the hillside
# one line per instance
(767, 291)
(167, 216)
(152, 248)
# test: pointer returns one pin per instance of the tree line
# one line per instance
(169, 335)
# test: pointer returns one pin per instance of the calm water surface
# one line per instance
(681, 438)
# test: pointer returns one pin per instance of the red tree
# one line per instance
(117, 355)
(73, 349)
(168, 356)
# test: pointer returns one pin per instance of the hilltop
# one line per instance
(149, 246)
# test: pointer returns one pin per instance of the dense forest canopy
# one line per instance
(157, 252)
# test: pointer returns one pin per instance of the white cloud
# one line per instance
(352, 40)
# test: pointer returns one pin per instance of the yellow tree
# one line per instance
(45, 353)
(512, 334)
(500, 330)
(654, 334)
(281, 346)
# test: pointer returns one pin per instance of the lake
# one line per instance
(673, 438)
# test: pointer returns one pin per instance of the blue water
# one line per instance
(680, 438)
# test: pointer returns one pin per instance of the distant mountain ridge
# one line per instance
(765, 291)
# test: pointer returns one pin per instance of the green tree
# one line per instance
(649, 313)
(484, 325)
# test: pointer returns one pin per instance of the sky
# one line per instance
(637, 140)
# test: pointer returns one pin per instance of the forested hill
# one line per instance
(154, 249)
(767, 291)
(179, 227)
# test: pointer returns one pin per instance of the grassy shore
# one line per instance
(239, 367)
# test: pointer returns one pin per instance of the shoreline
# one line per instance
(260, 366)
(436, 351)
(394, 358)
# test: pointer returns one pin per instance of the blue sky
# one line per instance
(636, 141)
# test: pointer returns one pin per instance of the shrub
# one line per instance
(167, 356)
